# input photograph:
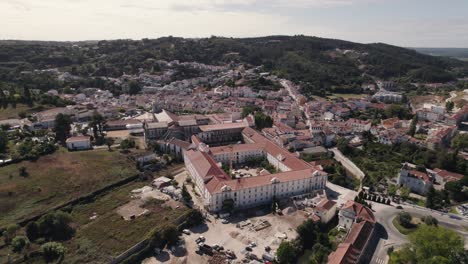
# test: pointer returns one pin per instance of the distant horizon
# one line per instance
(416, 23)
(261, 36)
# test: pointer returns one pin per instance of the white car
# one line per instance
(186, 231)
(224, 221)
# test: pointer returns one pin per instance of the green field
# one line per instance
(109, 235)
(57, 178)
(98, 240)
(13, 112)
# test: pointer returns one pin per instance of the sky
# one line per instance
(408, 23)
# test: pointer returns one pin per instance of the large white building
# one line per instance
(295, 177)
(416, 181)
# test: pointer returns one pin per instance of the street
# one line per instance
(385, 214)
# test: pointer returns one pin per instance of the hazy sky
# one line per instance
(416, 23)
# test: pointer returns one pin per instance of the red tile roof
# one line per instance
(360, 211)
(448, 176)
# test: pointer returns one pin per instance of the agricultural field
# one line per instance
(56, 179)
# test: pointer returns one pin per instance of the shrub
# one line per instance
(52, 251)
(32, 231)
(404, 219)
(19, 242)
(430, 220)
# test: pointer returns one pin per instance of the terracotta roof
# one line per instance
(360, 211)
(421, 175)
(325, 205)
(345, 253)
(448, 176)
(236, 148)
(205, 165)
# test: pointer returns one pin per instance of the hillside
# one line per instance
(322, 64)
(458, 53)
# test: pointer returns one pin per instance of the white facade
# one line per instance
(415, 181)
(78, 143)
(251, 197)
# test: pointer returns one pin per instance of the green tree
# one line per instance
(27, 97)
(460, 141)
(186, 195)
(430, 197)
(262, 120)
(414, 123)
(404, 219)
(287, 252)
(62, 127)
(3, 141)
(97, 123)
(320, 254)
(52, 251)
(109, 142)
(19, 242)
(430, 244)
(133, 87)
(392, 189)
(430, 220)
(10, 233)
(127, 144)
(56, 226)
(194, 218)
(449, 106)
(404, 193)
(32, 231)
(307, 233)
(171, 235)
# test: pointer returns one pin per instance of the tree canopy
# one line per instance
(430, 244)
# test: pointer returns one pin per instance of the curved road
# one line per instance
(385, 214)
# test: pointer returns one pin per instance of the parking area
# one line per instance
(249, 234)
(242, 235)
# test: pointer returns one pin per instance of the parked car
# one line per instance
(224, 221)
(248, 248)
(186, 231)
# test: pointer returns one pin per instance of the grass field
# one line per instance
(57, 178)
(107, 236)
(11, 112)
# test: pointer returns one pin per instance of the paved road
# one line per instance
(392, 237)
(289, 86)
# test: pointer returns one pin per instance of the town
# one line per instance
(230, 163)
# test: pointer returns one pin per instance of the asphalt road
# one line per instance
(390, 236)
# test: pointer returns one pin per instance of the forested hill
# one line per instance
(319, 63)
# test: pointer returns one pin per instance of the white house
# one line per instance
(78, 143)
(416, 181)
(325, 210)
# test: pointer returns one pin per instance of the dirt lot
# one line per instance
(236, 239)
